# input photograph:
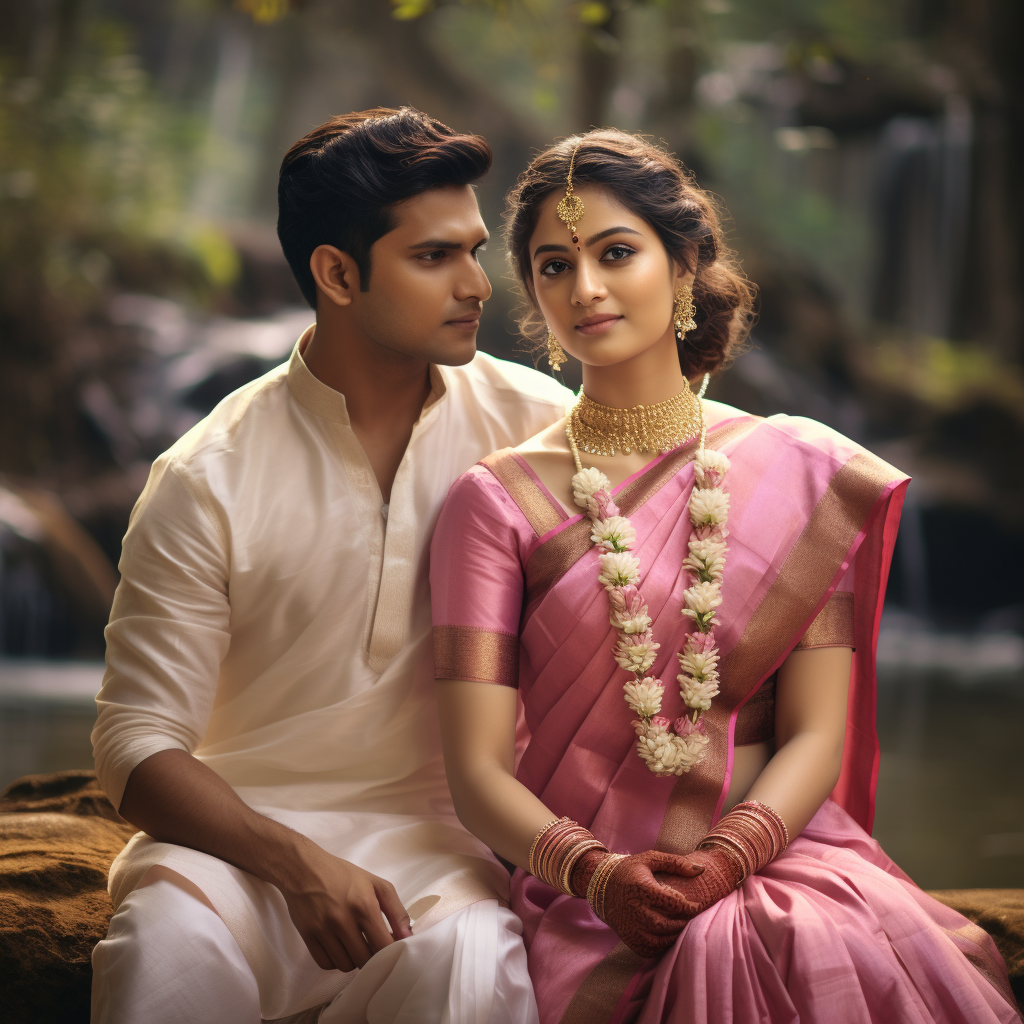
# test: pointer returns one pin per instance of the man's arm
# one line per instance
(335, 905)
(168, 633)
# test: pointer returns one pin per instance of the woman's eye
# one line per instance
(476, 252)
(554, 267)
(618, 252)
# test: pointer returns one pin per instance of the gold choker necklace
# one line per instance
(602, 430)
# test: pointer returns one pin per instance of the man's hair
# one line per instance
(339, 185)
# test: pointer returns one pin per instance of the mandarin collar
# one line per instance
(323, 401)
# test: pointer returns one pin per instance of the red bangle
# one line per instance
(752, 833)
(556, 849)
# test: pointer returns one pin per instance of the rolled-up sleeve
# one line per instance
(168, 630)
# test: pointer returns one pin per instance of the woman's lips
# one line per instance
(597, 324)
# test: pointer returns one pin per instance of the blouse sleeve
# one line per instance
(833, 625)
(476, 583)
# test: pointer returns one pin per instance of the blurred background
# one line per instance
(869, 152)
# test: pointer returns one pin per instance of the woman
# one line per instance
(689, 808)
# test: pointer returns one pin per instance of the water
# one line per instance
(950, 806)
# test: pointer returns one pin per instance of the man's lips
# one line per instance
(469, 320)
(598, 323)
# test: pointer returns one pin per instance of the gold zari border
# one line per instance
(477, 655)
(832, 626)
(532, 501)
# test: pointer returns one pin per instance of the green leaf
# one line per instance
(410, 10)
(594, 13)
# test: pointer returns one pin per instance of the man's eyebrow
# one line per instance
(610, 231)
(442, 243)
(436, 243)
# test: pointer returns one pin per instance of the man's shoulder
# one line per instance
(222, 432)
(487, 379)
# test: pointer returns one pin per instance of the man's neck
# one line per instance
(379, 385)
(384, 394)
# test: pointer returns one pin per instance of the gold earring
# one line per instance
(556, 354)
(683, 310)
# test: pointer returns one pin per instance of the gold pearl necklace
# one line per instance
(601, 430)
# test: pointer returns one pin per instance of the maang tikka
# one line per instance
(569, 210)
(570, 207)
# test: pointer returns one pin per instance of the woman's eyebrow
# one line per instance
(549, 248)
(610, 231)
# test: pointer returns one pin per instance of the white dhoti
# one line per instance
(169, 959)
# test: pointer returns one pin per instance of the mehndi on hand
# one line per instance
(750, 836)
(646, 914)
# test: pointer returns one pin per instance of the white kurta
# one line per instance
(271, 621)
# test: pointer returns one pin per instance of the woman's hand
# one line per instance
(720, 875)
(644, 911)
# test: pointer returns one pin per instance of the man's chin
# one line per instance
(452, 353)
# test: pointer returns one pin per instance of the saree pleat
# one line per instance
(828, 919)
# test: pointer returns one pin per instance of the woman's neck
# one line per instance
(652, 376)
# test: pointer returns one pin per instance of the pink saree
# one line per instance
(832, 929)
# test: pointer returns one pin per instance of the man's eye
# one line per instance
(433, 257)
(619, 252)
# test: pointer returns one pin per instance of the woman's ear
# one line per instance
(681, 275)
(335, 273)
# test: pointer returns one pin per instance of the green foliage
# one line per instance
(100, 158)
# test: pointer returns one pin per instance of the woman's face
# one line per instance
(612, 300)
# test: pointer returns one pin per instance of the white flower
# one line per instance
(699, 665)
(709, 506)
(636, 657)
(618, 569)
(644, 696)
(702, 598)
(586, 483)
(664, 753)
(615, 533)
(706, 559)
(709, 467)
(638, 624)
(698, 693)
(701, 601)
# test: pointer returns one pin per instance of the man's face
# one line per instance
(426, 286)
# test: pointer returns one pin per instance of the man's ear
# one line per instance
(335, 273)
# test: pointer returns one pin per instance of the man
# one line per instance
(267, 716)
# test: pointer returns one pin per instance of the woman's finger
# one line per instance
(674, 864)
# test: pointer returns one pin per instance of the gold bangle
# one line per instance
(536, 840)
(599, 882)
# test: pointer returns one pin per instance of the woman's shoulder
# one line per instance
(801, 435)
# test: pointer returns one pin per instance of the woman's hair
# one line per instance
(653, 185)
(339, 184)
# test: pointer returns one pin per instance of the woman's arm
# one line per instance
(478, 728)
(810, 725)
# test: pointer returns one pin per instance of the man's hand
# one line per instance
(335, 906)
(337, 910)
